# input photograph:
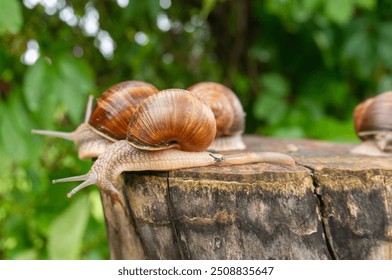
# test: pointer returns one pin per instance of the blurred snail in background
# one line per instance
(228, 112)
(373, 125)
(169, 130)
(108, 122)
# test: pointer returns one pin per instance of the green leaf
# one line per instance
(67, 80)
(15, 130)
(328, 128)
(40, 91)
(28, 254)
(274, 84)
(96, 206)
(310, 5)
(13, 141)
(269, 108)
(76, 72)
(365, 57)
(75, 83)
(294, 132)
(207, 7)
(271, 105)
(339, 11)
(385, 84)
(67, 230)
(35, 84)
(367, 4)
(384, 42)
(153, 8)
(10, 16)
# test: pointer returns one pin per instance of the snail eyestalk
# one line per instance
(87, 178)
(86, 183)
(264, 157)
(89, 108)
(64, 135)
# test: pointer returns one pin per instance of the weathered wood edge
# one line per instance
(124, 241)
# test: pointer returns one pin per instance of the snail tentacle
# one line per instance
(59, 134)
(259, 157)
(89, 109)
(89, 179)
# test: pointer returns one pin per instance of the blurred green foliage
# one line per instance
(298, 66)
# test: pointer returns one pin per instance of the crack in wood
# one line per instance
(171, 216)
(321, 207)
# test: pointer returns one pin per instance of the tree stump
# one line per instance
(331, 205)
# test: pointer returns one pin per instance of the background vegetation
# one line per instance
(299, 68)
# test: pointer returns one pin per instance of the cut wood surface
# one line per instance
(331, 205)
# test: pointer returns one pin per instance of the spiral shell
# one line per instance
(172, 118)
(373, 116)
(114, 109)
(228, 111)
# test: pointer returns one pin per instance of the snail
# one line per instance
(373, 125)
(108, 122)
(228, 112)
(169, 130)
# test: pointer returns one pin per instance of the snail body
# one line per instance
(373, 125)
(165, 142)
(228, 112)
(121, 156)
(108, 121)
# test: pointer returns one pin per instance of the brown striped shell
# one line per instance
(227, 109)
(172, 118)
(114, 109)
(373, 115)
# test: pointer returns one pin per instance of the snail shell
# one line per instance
(373, 124)
(172, 118)
(116, 107)
(228, 112)
(373, 115)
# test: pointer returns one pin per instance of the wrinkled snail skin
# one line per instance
(89, 144)
(175, 140)
(108, 121)
(121, 157)
(228, 112)
(373, 125)
(384, 140)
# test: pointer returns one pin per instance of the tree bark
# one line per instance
(331, 205)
